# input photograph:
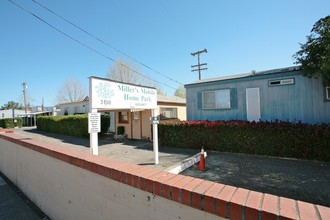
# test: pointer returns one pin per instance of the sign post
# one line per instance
(155, 123)
(93, 136)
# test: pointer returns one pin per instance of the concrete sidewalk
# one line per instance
(130, 151)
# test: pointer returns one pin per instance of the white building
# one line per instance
(76, 107)
(11, 113)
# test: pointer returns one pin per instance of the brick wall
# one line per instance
(213, 199)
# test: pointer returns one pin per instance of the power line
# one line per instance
(105, 43)
(85, 45)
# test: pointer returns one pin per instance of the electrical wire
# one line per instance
(105, 43)
(85, 45)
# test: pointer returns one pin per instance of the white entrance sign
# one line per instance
(109, 94)
(94, 122)
(105, 94)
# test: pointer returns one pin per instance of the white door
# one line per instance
(253, 104)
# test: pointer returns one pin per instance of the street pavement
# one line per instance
(15, 205)
(130, 151)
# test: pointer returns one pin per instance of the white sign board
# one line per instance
(105, 94)
(94, 122)
(108, 94)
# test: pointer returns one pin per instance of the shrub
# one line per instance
(73, 125)
(9, 122)
(120, 130)
(282, 139)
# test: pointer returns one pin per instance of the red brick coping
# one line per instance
(223, 200)
(5, 131)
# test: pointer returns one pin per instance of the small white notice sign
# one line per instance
(94, 122)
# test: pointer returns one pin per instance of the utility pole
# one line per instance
(199, 65)
(42, 106)
(24, 93)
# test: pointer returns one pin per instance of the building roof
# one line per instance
(247, 75)
(86, 99)
(33, 113)
(171, 99)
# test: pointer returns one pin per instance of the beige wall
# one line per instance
(181, 110)
(64, 191)
(126, 125)
(142, 126)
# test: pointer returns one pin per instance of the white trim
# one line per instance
(327, 93)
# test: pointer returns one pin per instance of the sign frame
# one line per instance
(106, 94)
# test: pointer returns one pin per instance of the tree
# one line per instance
(314, 55)
(180, 92)
(127, 72)
(71, 91)
(160, 92)
(12, 105)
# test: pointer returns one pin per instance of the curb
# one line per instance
(185, 164)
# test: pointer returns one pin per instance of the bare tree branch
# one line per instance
(126, 71)
(71, 91)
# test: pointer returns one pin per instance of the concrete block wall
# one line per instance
(173, 196)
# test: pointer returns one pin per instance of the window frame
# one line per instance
(281, 82)
(120, 116)
(162, 117)
(216, 104)
(327, 93)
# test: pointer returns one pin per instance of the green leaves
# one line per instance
(74, 125)
(282, 139)
(314, 55)
(9, 122)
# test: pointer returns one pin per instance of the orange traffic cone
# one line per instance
(202, 161)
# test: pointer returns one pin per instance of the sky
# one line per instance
(239, 36)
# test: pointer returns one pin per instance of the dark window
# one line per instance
(123, 117)
(327, 92)
(272, 83)
(168, 113)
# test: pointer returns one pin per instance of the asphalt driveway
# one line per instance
(297, 179)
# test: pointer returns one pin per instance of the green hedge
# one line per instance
(281, 139)
(73, 125)
(9, 122)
